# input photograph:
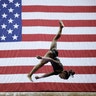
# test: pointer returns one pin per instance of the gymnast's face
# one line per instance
(63, 75)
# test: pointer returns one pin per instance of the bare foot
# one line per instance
(29, 77)
(61, 24)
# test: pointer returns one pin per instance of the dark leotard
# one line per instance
(58, 68)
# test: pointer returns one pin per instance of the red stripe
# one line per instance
(46, 69)
(34, 53)
(59, 8)
(45, 87)
(67, 38)
(67, 23)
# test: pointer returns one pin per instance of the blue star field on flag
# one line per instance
(10, 20)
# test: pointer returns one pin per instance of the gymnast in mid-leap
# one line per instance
(51, 56)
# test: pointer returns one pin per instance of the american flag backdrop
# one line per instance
(27, 28)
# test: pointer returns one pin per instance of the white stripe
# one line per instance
(22, 78)
(34, 61)
(57, 16)
(46, 45)
(53, 30)
(60, 2)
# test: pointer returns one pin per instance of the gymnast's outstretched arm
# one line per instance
(45, 75)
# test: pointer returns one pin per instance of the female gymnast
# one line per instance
(51, 56)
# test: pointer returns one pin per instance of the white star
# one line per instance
(10, 31)
(10, 10)
(4, 5)
(16, 26)
(10, 20)
(16, 15)
(10, 1)
(4, 15)
(17, 4)
(14, 37)
(3, 26)
(3, 37)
